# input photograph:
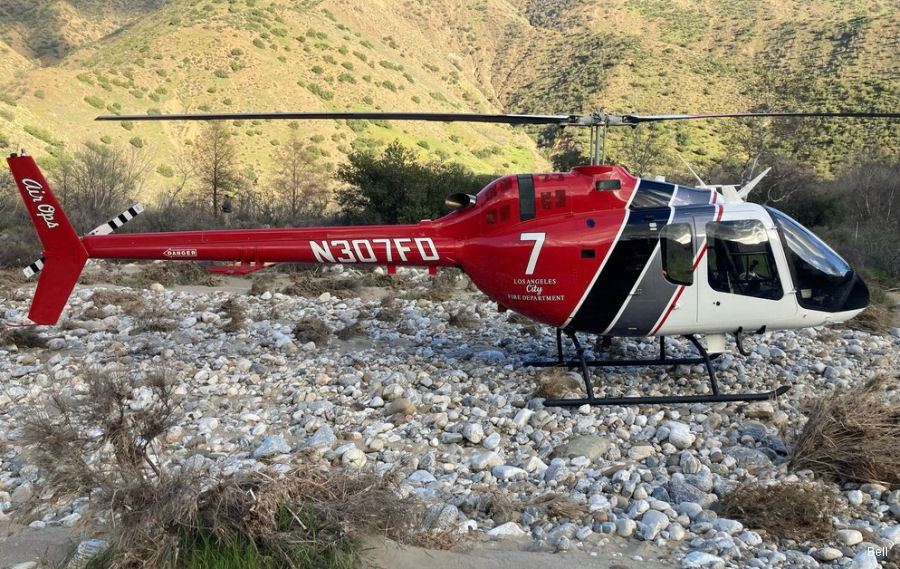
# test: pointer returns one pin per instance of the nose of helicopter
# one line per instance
(858, 297)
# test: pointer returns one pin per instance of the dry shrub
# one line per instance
(500, 507)
(560, 506)
(879, 315)
(11, 279)
(557, 383)
(168, 273)
(312, 329)
(390, 310)
(876, 318)
(261, 283)
(309, 283)
(342, 504)
(792, 510)
(516, 318)
(463, 318)
(236, 313)
(352, 331)
(154, 319)
(23, 337)
(167, 520)
(130, 302)
(100, 421)
(444, 286)
(853, 436)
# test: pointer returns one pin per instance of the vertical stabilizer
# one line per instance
(64, 254)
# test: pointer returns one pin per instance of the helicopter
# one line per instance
(594, 250)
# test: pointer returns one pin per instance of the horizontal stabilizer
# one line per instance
(118, 221)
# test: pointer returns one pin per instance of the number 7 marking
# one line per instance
(538, 239)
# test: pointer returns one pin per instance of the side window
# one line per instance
(677, 244)
(740, 261)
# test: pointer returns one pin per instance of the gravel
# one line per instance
(452, 410)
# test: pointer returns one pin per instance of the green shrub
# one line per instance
(95, 102)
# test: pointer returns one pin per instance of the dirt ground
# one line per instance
(52, 544)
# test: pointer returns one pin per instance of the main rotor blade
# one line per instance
(438, 117)
(637, 119)
(597, 119)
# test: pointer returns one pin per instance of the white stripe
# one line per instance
(640, 278)
(34, 268)
(608, 255)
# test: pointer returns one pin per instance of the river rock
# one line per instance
(590, 446)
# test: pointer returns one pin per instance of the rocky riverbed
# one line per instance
(438, 390)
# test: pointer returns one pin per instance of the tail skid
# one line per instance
(64, 254)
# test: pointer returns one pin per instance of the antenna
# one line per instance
(702, 183)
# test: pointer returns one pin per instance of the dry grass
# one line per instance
(23, 337)
(557, 383)
(854, 435)
(792, 510)
(154, 319)
(312, 329)
(501, 507)
(559, 506)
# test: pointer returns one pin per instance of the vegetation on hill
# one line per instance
(66, 62)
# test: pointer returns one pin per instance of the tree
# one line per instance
(567, 153)
(99, 182)
(395, 188)
(215, 159)
(299, 182)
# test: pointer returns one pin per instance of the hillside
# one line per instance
(73, 60)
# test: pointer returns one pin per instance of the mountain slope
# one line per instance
(646, 56)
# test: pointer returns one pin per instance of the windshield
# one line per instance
(822, 278)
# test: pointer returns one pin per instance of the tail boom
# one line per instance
(413, 245)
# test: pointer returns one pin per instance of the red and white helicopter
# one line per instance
(593, 250)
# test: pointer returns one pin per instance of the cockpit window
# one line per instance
(822, 278)
(740, 261)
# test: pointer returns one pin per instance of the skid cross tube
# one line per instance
(584, 364)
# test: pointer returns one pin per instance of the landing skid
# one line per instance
(662, 360)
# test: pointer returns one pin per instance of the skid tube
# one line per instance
(704, 358)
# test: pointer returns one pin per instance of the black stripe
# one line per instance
(526, 197)
(653, 195)
(122, 219)
(132, 212)
(630, 253)
(112, 225)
